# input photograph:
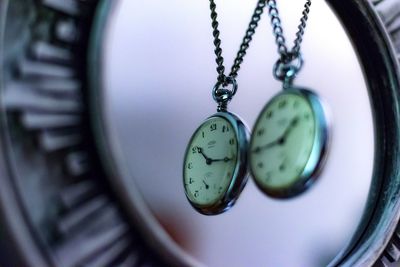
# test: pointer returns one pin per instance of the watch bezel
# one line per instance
(317, 157)
(240, 175)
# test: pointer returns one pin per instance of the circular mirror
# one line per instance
(158, 72)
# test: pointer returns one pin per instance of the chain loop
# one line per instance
(222, 95)
(243, 47)
(286, 68)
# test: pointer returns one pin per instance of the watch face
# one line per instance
(211, 163)
(286, 148)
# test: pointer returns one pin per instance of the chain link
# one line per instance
(222, 78)
(287, 56)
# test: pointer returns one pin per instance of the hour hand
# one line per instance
(200, 150)
(208, 160)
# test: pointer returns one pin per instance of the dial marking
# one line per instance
(282, 167)
(261, 131)
(213, 127)
(232, 141)
(282, 104)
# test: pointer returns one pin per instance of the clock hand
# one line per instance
(207, 186)
(281, 140)
(208, 160)
(226, 159)
(290, 127)
(269, 145)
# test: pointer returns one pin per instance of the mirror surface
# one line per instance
(159, 69)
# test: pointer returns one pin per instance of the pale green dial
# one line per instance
(282, 141)
(210, 162)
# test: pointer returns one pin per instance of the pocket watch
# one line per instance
(290, 136)
(289, 143)
(215, 165)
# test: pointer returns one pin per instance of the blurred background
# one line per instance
(159, 71)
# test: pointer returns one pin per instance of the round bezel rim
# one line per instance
(317, 157)
(240, 174)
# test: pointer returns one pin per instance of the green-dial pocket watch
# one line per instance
(215, 168)
(289, 143)
(290, 136)
(215, 163)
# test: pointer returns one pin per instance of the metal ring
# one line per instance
(224, 95)
(287, 67)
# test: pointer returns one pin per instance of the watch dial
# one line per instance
(282, 141)
(210, 162)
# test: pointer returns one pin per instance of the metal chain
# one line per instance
(222, 78)
(287, 56)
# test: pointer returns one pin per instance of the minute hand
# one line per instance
(281, 140)
(226, 159)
